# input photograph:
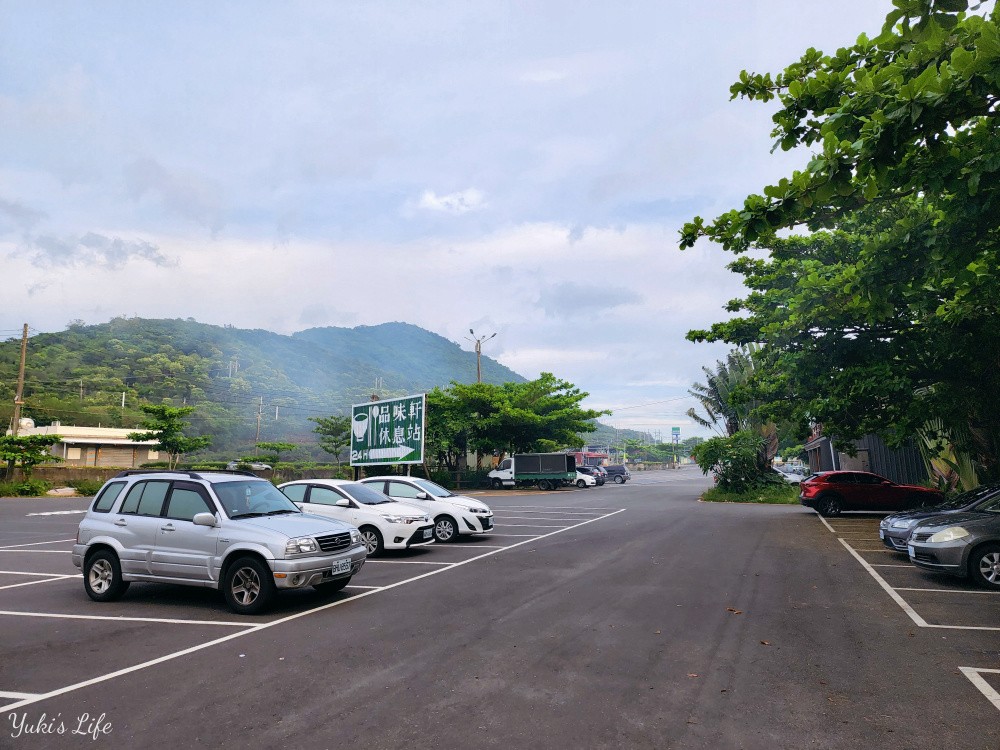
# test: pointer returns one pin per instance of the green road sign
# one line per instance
(388, 432)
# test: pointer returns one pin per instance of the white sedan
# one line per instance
(453, 515)
(584, 480)
(383, 522)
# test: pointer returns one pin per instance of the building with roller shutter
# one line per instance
(94, 446)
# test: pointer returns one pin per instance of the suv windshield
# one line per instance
(252, 498)
(365, 494)
(434, 490)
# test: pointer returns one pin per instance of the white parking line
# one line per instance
(50, 551)
(57, 513)
(17, 696)
(405, 562)
(891, 565)
(26, 573)
(45, 580)
(474, 546)
(61, 616)
(528, 526)
(536, 518)
(568, 508)
(920, 621)
(376, 588)
(272, 623)
(949, 591)
(982, 685)
(34, 544)
(532, 535)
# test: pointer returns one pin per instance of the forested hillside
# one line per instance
(237, 378)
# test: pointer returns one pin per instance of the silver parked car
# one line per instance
(894, 530)
(233, 532)
(962, 544)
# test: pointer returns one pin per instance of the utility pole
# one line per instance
(260, 413)
(19, 396)
(479, 352)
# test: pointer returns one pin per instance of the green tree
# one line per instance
(275, 449)
(334, 434)
(884, 315)
(734, 460)
(26, 451)
(166, 425)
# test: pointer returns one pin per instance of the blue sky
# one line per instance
(507, 166)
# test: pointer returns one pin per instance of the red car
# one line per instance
(830, 492)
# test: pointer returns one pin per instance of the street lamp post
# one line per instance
(479, 352)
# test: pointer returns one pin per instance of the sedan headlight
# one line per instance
(355, 536)
(904, 524)
(480, 511)
(949, 535)
(302, 544)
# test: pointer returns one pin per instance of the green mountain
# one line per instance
(241, 381)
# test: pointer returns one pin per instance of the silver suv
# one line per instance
(232, 531)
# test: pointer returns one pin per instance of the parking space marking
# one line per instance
(166, 620)
(917, 619)
(536, 518)
(534, 536)
(351, 586)
(947, 591)
(50, 551)
(27, 573)
(58, 513)
(406, 562)
(891, 565)
(280, 621)
(33, 544)
(44, 580)
(567, 508)
(475, 546)
(17, 696)
(529, 526)
(975, 677)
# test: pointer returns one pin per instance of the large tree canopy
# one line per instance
(884, 316)
(540, 415)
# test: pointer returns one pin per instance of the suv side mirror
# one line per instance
(204, 519)
(343, 503)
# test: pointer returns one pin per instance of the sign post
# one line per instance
(388, 432)
(675, 436)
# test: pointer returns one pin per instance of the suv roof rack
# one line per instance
(191, 474)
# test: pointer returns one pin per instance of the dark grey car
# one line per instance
(895, 529)
(962, 544)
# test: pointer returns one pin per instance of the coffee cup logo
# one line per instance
(360, 425)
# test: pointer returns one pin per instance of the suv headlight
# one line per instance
(949, 535)
(355, 537)
(302, 544)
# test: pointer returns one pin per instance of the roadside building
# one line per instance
(94, 446)
(903, 465)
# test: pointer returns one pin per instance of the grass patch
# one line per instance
(772, 494)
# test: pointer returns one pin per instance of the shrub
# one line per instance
(32, 488)
(735, 461)
(777, 494)
(86, 486)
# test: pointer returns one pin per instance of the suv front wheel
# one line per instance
(248, 586)
(102, 577)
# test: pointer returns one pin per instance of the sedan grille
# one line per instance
(922, 537)
(334, 542)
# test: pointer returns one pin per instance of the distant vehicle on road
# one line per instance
(618, 473)
(593, 471)
(585, 480)
(546, 470)
(252, 465)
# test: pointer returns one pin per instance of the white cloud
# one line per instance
(454, 203)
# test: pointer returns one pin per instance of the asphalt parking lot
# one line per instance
(621, 616)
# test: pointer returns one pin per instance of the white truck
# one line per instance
(546, 470)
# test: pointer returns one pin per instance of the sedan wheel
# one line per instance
(984, 566)
(580, 483)
(445, 529)
(372, 540)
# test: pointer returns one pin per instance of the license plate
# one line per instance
(909, 549)
(341, 566)
(428, 533)
(881, 534)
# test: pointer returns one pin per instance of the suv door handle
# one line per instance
(121, 522)
(168, 527)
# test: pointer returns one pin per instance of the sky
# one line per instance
(518, 168)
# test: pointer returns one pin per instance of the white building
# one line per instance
(94, 446)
